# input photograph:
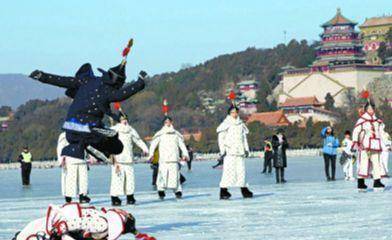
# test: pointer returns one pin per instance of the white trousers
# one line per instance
(369, 163)
(169, 177)
(384, 160)
(348, 168)
(123, 180)
(233, 172)
(74, 180)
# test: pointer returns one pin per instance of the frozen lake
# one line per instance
(305, 208)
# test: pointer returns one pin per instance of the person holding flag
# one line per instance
(233, 145)
(92, 97)
(169, 143)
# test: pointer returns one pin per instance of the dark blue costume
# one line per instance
(91, 101)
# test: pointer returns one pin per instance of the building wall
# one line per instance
(318, 84)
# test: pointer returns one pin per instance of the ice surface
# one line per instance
(305, 208)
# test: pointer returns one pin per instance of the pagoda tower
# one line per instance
(340, 44)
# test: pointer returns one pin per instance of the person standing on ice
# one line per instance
(367, 139)
(386, 149)
(75, 222)
(268, 155)
(233, 145)
(74, 174)
(123, 178)
(25, 158)
(347, 157)
(330, 147)
(92, 96)
(280, 145)
(171, 146)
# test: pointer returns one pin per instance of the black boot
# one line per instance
(377, 185)
(246, 193)
(130, 200)
(277, 174)
(161, 195)
(178, 195)
(224, 194)
(68, 199)
(361, 185)
(282, 176)
(84, 199)
(116, 201)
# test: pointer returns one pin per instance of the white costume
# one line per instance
(233, 142)
(348, 165)
(169, 142)
(386, 149)
(123, 178)
(72, 218)
(74, 176)
(367, 136)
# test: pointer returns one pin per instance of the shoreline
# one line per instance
(198, 157)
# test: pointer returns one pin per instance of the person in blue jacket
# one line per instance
(331, 143)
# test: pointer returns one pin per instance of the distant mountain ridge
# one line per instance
(17, 89)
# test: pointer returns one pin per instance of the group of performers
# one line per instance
(86, 135)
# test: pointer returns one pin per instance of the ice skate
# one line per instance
(246, 193)
(116, 201)
(131, 200)
(361, 185)
(224, 194)
(378, 186)
(178, 195)
(84, 199)
(161, 195)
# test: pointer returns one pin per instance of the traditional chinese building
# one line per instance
(339, 68)
(304, 108)
(340, 43)
(247, 96)
(373, 32)
(271, 119)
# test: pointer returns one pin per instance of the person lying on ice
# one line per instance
(72, 221)
(91, 101)
(233, 144)
(169, 142)
(123, 178)
(367, 136)
(74, 174)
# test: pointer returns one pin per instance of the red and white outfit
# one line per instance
(74, 174)
(367, 139)
(123, 177)
(72, 217)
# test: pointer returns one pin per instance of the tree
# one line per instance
(329, 102)
(385, 49)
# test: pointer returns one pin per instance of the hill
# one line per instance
(37, 123)
(17, 89)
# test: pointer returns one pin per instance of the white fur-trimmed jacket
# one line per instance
(128, 136)
(368, 133)
(232, 138)
(169, 142)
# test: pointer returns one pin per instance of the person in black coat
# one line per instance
(91, 101)
(280, 145)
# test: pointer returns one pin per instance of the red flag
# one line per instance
(232, 95)
(165, 106)
(365, 94)
(117, 106)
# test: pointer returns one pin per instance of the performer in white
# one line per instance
(169, 142)
(233, 145)
(347, 157)
(123, 178)
(386, 149)
(74, 176)
(367, 136)
(75, 222)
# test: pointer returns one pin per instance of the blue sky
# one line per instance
(59, 36)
